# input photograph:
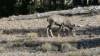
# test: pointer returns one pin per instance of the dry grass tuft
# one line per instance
(66, 47)
(48, 47)
(32, 34)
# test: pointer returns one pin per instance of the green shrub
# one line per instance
(48, 47)
(66, 47)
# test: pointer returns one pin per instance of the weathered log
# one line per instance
(74, 11)
(42, 23)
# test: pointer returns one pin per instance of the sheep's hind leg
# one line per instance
(67, 30)
(60, 27)
(73, 33)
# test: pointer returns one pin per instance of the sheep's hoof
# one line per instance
(51, 36)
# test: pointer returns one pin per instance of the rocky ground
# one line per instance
(29, 38)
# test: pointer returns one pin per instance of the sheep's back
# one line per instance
(58, 19)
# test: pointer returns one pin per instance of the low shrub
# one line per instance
(48, 47)
(66, 47)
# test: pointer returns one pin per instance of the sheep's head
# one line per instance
(50, 20)
(70, 26)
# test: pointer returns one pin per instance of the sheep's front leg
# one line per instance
(59, 29)
(51, 34)
(49, 31)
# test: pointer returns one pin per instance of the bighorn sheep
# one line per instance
(60, 21)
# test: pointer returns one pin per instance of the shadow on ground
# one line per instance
(42, 31)
(89, 31)
(88, 43)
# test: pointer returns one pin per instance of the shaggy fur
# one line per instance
(60, 21)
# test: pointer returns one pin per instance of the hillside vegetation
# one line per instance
(17, 7)
(28, 37)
